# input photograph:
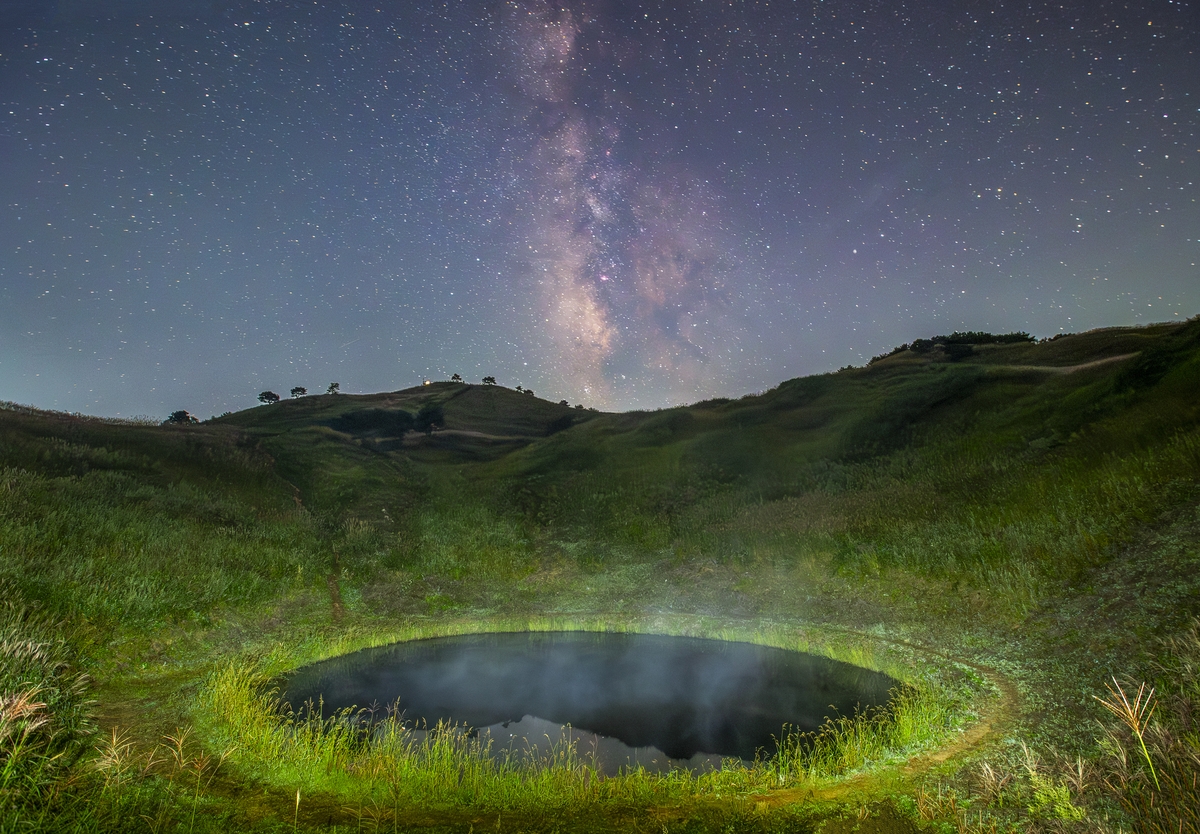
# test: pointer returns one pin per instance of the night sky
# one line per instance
(623, 204)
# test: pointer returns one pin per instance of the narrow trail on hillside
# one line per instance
(1065, 369)
(995, 718)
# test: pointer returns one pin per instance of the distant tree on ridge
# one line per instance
(268, 397)
(456, 378)
(489, 380)
(333, 388)
(299, 391)
(180, 418)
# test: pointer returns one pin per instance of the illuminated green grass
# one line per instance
(1010, 508)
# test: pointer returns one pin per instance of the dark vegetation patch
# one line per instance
(380, 422)
(958, 345)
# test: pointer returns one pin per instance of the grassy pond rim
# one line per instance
(947, 703)
(625, 699)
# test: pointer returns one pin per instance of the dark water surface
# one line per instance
(632, 695)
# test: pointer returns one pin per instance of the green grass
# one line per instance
(1035, 523)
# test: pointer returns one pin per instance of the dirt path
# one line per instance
(990, 724)
(1066, 369)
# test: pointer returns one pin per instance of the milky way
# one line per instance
(615, 203)
(624, 261)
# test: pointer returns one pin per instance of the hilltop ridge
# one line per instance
(491, 410)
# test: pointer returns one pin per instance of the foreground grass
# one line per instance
(1141, 775)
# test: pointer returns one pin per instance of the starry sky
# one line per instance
(623, 204)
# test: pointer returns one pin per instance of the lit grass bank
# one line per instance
(396, 771)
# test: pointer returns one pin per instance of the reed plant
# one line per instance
(45, 710)
(1153, 750)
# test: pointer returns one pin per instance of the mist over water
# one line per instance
(683, 696)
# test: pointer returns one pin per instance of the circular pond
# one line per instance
(641, 699)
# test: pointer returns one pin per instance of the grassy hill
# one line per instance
(490, 411)
(1025, 509)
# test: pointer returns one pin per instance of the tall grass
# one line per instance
(1142, 775)
(114, 550)
(956, 509)
(45, 713)
(844, 744)
(1153, 749)
(455, 540)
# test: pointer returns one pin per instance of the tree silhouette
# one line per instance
(489, 380)
(430, 418)
(528, 391)
(180, 418)
(456, 378)
(565, 403)
(333, 388)
(268, 397)
(299, 391)
(519, 388)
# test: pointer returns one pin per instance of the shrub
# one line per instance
(180, 418)
(429, 418)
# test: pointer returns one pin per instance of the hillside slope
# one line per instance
(1025, 507)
